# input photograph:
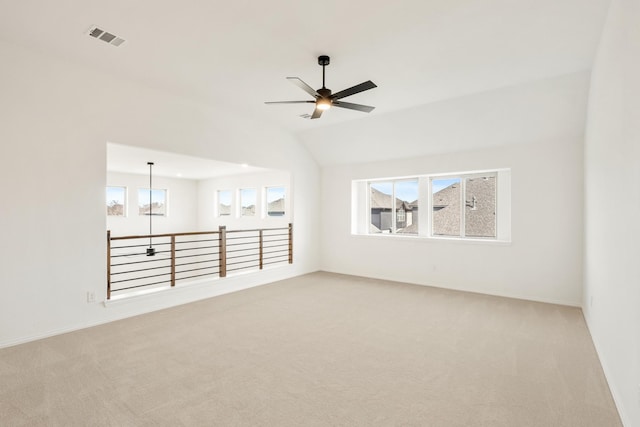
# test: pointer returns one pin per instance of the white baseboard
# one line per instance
(474, 290)
(607, 374)
(142, 304)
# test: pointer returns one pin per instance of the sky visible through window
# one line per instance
(275, 193)
(224, 197)
(115, 194)
(405, 190)
(157, 196)
(248, 197)
(439, 184)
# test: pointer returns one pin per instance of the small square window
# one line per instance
(116, 201)
(152, 202)
(275, 201)
(224, 203)
(248, 202)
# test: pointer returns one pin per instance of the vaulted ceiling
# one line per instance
(238, 53)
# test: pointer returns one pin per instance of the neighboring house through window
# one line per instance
(462, 205)
(393, 199)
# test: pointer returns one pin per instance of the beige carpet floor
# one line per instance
(318, 350)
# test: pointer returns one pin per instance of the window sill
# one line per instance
(418, 238)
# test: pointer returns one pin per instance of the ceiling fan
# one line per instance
(324, 99)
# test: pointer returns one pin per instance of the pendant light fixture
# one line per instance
(151, 251)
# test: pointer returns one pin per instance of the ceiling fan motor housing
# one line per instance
(324, 92)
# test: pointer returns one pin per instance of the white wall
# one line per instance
(526, 113)
(207, 220)
(56, 119)
(612, 207)
(544, 260)
(182, 205)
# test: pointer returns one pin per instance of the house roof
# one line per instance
(380, 200)
(479, 217)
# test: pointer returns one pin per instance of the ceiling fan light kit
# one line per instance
(324, 98)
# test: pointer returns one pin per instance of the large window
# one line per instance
(393, 207)
(248, 201)
(275, 201)
(224, 203)
(152, 202)
(116, 201)
(473, 205)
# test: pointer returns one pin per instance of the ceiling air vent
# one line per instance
(105, 36)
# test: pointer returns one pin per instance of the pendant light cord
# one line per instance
(150, 202)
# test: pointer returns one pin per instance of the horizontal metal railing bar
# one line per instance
(242, 250)
(146, 236)
(243, 256)
(275, 252)
(233, 245)
(140, 278)
(140, 254)
(242, 268)
(197, 275)
(240, 262)
(140, 286)
(194, 233)
(274, 262)
(138, 246)
(254, 239)
(196, 269)
(197, 262)
(252, 245)
(195, 255)
(256, 229)
(196, 241)
(140, 262)
(276, 248)
(198, 248)
(276, 240)
(140, 269)
(275, 256)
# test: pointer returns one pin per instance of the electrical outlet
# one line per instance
(91, 296)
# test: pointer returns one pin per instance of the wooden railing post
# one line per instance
(173, 260)
(260, 234)
(108, 264)
(290, 243)
(222, 250)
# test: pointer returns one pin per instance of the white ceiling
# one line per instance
(127, 159)
(238, 53)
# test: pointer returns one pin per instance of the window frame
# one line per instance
(394, 208)
(361, 208)
(463, 203)
(125, 202)
(266, 201)
(217, 212)
(241, 213)
(166, 201)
